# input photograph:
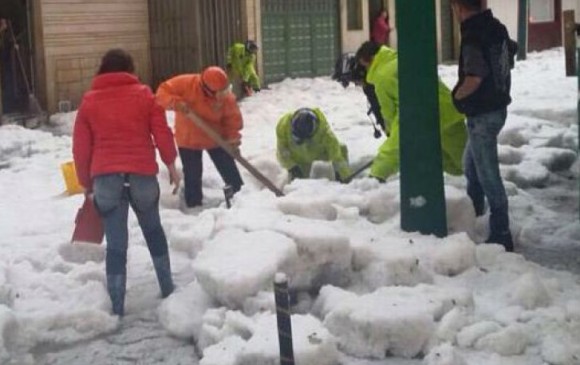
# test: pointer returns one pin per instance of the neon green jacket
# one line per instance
(242, 63)
(383, 74)
(323, 146)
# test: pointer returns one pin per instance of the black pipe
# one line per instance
(284, 322)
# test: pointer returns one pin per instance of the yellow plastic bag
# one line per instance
(70, 178)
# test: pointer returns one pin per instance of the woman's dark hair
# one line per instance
(116, 60)
(367, 51)
(381, 10)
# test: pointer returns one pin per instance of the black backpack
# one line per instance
(347, 70)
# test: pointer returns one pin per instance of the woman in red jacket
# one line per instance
(117, 129)
(381, 28)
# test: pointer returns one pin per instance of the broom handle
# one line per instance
(17, 48)
(234, 153)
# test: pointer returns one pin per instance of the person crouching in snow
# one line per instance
(241, 60)
(117, 128)
(303, 137)
(209, 96)
(382, 72)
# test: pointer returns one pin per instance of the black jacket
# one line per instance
(491, 37)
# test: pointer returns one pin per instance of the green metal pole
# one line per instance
(522, 29)
(422, 193)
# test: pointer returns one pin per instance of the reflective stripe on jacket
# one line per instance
(243, 64)
(383, 74)
(323, 146)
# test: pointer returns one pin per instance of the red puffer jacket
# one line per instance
(117, 128)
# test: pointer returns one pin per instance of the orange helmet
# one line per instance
(214, 79)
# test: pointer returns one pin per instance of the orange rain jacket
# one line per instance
(223, 115)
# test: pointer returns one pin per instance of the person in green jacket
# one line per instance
(303, 137)
(382, 72)
(241, 60)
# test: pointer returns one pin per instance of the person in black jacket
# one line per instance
(482, 93)
(347, 70)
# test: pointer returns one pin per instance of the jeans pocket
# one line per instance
(144, 192)
(108, 192)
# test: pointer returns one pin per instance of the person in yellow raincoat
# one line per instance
(382, 72)
(241, 60)
(303, 137)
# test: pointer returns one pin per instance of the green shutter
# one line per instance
(300, 38)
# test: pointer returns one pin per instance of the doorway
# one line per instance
(15, 56)
(545, 24)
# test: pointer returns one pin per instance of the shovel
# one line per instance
(33, 104)
(358, 171)
(201, 124)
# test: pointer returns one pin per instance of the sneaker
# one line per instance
(504, 239)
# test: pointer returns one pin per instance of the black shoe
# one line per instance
(504, 239)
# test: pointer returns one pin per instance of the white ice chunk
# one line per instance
(560, 350)
(527, 174)
(397, 320)
(225, 352)
(324, 252)
(459, 209)
(312, 343)
(221, 323)
(8, 325)
(182, 312)
(235, 264)
(444, 354)
(454, 255)
(554, 159)
(5, 288)
(264, 301)
(451, 323)
(509, 341)
(470, 334)
(530, 292)
(189, 235)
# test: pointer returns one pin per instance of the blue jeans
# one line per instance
(113, 195)
(482, 169)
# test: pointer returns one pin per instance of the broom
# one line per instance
(33, 104)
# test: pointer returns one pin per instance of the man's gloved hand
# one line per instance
(235, 144)
(256, 89)
(295, 173)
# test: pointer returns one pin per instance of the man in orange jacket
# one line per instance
(208, 95)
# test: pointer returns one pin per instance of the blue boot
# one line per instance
(116, 287)
(163, 271)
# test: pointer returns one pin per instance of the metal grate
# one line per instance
(300, 38)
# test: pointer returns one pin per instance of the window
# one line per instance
(542, 11)
(354, 15)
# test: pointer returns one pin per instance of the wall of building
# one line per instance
(507, 13)
(572, 5)
(74, 34)
(253, 28)
(352, 39)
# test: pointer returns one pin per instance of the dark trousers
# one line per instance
(193, 168)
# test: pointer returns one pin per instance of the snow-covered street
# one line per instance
(364, 292)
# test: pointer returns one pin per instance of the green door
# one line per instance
(300, 38)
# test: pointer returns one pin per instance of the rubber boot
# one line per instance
(163, 271)
(116, 287)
